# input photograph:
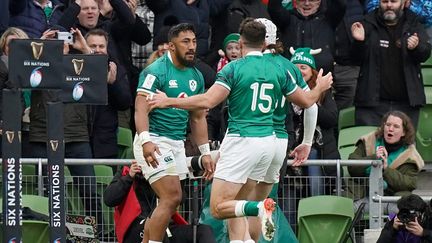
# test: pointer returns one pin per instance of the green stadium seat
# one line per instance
(32, 231)
(428, 62)
(427, 75)
(349, 136)
(124, 143)
(424, 133)
(36, 203)
(104, 176)
(324, 219)
(346, 118)
(428, 93)
(346, 151)
(75, 205)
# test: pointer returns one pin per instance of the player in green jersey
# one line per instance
(158, 145)
(252, 85)
(273, 52)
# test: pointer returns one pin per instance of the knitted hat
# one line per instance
(303, 56)
(161, 37)
(233, 37)
(271, 30)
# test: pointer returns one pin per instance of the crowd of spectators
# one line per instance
(373, 48)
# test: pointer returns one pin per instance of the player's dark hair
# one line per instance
(252, 33)
(176, 29)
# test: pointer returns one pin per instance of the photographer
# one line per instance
(411, 224)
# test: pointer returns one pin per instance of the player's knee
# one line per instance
(172, 201)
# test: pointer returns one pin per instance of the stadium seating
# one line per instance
(424, 133)
(349, 136)
(324, 219)
(104, 175)
(346, 118)
(33, 230)
(124, 143)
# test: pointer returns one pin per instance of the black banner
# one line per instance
(12, 170)
(55, 153)
(85, 79)
(36, 63)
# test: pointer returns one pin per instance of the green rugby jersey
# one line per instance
(254, 83)
(282, 108)
(177, 83)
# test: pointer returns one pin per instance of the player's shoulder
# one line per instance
(158, 67)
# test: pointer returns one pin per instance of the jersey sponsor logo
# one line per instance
(182, 95)
(173, 84)
(193, 85)
(148, 81)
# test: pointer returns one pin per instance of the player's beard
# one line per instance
(183, 61)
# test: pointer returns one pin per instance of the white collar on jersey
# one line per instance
(267, 51)
(254, 53)
(169, 57)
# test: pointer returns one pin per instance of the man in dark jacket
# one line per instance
(103, 121)
(311, 23)
(34, 17)
(391, 43)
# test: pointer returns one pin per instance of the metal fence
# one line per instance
(291, 190)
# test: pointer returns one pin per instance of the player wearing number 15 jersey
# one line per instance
(251, 85)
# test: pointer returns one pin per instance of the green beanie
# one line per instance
(233, 37)
(303, 56)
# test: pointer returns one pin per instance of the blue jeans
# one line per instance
(316, 180)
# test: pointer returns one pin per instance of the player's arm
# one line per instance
(142, 110)
(307, 99)
(216, 94)
(198, 125)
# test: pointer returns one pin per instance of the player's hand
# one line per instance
(300, 154)
(209, 166)
(357, 31)
(412, 41)
(158, 100)
(149, 150)
(397, 224)
(414, 228)
(134, 169)
(324, 83)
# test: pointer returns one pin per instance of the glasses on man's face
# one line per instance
(310, 1)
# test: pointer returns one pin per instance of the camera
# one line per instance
(65, 36)
(408, 215)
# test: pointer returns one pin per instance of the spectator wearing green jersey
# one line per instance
(252, 85)
(158, 144)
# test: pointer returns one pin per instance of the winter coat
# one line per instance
(30, 17)
(401, 175)
(368, 53)
(315, 31)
